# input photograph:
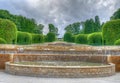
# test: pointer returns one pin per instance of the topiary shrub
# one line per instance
(24, 38)
(117, 42)
(95, 38)
(8, 31)
(111, 32)
(81, 39)
(37, 38)
(68, 37)
(2, 41)
(50, 37)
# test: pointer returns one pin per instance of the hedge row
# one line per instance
(111, 32)
(95, 38)
(81, 39)
(68, 37)
(91, 39)
(110, 35)
(8, 31)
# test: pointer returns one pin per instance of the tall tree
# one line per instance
(89, 26)
(116, 15)
(73, 28)
(53, 29)
(97, 24)
(23, 24)
(39, 29)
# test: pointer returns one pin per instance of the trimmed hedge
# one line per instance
(8, 31)
(24, 38)
(68, 37)
(111, 32)
(81, 39)
(95, 38)
(37, 38)
(50, 37)
(117, 42)
(2, 41)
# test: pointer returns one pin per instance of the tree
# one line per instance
(89, 26)
(116, 15)
(50, 37)
(23, 24)
(97, 24)
(73, 28)
(53, 29)
(39, 29)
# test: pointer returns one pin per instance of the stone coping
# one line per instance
(61, 71)
(102, 66)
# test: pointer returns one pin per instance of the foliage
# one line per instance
(39, 29)
(8, 31)
(23, 24)
(73, 28)
(50, 37)
(95, 38)
(2, 41)
(24, 38)
(116, 15)
(37, 38)
(53, 29)
(68, 37)
(81, 39)
(117, 42)
(111, 32)
(91, 25)
(97, 24)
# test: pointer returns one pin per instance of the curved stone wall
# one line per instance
(60, 71)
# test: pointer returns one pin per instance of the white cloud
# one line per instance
(61, 12)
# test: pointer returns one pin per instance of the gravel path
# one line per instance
(7, 78)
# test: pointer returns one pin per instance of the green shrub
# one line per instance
(81, 39)
(117, 42)
(2, 41)
(50, 37)
(37, 38)
(111, 32)
(95, 38)
(8, 31)
(24, 38)
(68, 37)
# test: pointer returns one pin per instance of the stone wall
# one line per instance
(4, 58)
(116, 60)
(60, 71)
(56, 57)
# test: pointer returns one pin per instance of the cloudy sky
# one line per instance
(61, 12)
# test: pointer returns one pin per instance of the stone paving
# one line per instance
(7, 78)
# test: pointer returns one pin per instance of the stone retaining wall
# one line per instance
(60, 71)
(116, 60)
(55, 57)
(4, 58)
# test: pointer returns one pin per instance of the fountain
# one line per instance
(58, 61)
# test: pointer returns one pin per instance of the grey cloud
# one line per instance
(62, 12)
